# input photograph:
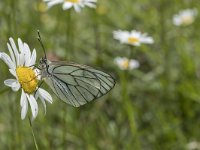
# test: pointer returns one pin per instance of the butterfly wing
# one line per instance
(77, 84)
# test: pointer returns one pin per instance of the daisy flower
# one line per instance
(193, 145)
(133, 38)
(76, 4)
(185, 17)
(26, 78)
(125, 63)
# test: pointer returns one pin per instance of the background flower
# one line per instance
(185, 17)
(125, 63)
(135, 38)
(76, 4)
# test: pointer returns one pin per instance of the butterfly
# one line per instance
(73, 83)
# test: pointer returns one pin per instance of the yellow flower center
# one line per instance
(73, 1)
(125, 64)
(187, 20)
(27, 79)
(133, 40)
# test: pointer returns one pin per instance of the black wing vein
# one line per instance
(67, 92)
(70, 101)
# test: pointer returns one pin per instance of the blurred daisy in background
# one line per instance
(76, 4)
(185, 17)
(20, 63)
(126, 64)
(135, 38)
(193, 145)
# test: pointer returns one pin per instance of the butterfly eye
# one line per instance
(43, 61)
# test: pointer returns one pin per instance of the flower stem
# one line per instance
(128, 106)
(64, 130)
(132, 51)
(97, 37)
(34, 139)
(12, 132)
(129, 109)
(69, 34)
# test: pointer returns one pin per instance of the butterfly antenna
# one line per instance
(40, 40)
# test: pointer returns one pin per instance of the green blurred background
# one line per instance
(153, 107)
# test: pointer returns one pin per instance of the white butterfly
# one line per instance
(73, 83)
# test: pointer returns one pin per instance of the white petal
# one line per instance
(54, 2)
(177, 20)
(27, 54)
(13, 83)
(15, 50)
(11, 53)
(133, 64)
(33, 104)
(21, 45)
(9, 82)
(22, 54)
(122, 36)
(67, 5)
(36, 94)
(7, 60)
(94, 1)
(23, 97)
(45, 95)
(24, 105)
(136, 44)
(148, 40)
(13, 72)
(118, 60)
(80, 4)
(77, 8)
(33, 58)
(15, 86)
(21, 59)
(135, 34)
(44, 105)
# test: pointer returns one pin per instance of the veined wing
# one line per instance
(78, 84)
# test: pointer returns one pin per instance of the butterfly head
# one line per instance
(43, 63)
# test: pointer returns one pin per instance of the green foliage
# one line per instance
(153, 107)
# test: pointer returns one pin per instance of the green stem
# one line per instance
(163, 43)
(97, 37)
(131, 51)
(13, 17)
(64, 123)
(69, 34)
(129, 109)
(34, 139)
(12, 123)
